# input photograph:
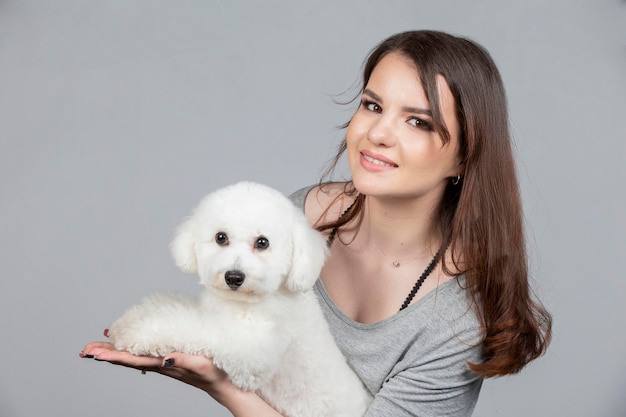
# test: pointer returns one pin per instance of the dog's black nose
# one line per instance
(234, 279)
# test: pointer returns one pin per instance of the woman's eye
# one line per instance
(422, 124)
(221, 238)
(371, 106)
(262, 243)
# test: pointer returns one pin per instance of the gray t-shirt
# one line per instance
(414, 362)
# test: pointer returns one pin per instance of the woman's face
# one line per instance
(393, 150)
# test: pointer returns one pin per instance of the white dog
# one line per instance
(258, 317)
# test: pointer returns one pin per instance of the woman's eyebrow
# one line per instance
(405, 109)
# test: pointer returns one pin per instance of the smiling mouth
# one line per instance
(378, 162)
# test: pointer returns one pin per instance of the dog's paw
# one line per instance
(134, 336)
(138, 342)
(161, 324)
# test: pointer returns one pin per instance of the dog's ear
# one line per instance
(183, 246)
(309, 254)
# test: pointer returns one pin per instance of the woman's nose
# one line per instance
(381, 132)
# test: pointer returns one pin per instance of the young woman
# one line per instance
(426, 288)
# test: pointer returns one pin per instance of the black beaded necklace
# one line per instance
(418, 283)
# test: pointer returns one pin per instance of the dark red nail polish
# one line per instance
(168, 362)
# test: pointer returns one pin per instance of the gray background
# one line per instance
(117, 116)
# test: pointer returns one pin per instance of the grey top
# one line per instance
(414, 362)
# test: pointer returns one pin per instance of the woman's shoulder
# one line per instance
(323, 202)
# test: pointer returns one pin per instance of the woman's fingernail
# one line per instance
(87, 356)
(106, 332)
(168, 362)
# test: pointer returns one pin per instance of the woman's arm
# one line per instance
(197, 371)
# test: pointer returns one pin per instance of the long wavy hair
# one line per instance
(480, 217)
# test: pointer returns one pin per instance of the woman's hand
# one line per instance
(197, 371)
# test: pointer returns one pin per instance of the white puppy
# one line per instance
(258, 317)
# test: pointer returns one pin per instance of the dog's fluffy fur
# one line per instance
(258, 317)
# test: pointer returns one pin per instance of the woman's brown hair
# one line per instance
(480, 216)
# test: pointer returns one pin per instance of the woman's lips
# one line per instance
(376, 161)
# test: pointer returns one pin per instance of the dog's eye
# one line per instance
(221, 238)
(262, 243)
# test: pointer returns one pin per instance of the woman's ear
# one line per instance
(309, 253)
(183, 246)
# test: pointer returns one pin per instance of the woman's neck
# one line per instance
(399, 229)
